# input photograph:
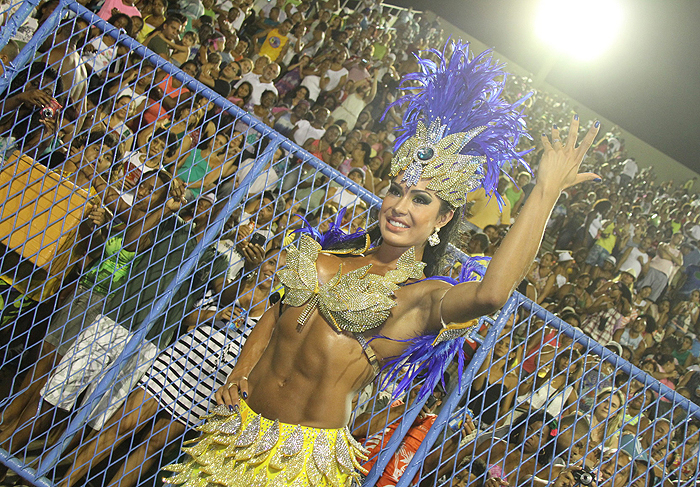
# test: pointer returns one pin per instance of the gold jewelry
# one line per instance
(231, 384)
(434, 238)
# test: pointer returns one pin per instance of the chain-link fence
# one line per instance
(143, 219)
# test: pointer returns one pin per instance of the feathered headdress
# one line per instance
(458, 130)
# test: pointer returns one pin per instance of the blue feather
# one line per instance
(464, 91)
(421, 358)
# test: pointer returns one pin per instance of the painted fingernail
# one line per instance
(596, 124)
(555, 126)
(544, 135)
(576, 116)
(245, 395)
(230, 408)
(597, 180)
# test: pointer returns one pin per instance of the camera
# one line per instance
(51, 110)
(583, 477)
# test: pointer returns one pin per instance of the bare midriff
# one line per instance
(308, 377)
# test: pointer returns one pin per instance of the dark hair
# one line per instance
(367, 150)
(650, 322)
(222, 87)
(250, 91)
(520, 425)
(129, 23)
(626, 293)
(568, 316)
(432, 255)
(482, 239)
(198, 70)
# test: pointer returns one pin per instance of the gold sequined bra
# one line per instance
(353, 302)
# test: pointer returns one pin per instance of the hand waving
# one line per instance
(561, 161)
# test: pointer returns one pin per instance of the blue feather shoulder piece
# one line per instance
(427, 356)
(335, 236)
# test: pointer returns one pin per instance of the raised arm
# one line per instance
(558, 170)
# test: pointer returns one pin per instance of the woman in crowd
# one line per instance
(605, 312)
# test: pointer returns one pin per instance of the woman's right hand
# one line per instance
(236, 386)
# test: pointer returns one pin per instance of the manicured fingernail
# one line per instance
(597, 180)
(555, 126)
(596, 124)
(544, 135)
(245, 395)
(576, 116)
(230, 408)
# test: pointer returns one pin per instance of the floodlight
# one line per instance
(582, 29)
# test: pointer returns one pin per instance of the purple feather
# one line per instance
(334, 236)
(466, 93)
(421, 358)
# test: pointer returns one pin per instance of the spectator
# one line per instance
(663, 267)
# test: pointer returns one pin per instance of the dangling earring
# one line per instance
(434, 238)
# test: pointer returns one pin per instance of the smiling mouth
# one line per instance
(397, 224)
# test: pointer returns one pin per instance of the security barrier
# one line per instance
(126, 317)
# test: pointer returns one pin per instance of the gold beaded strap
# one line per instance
(453, 330)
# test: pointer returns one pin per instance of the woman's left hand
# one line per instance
(561, 160)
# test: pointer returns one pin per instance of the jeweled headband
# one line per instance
(458, 130)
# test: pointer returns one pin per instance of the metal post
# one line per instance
(457, 392)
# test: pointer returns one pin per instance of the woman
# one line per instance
(337, 74)
(263, 112)
(578, 289)
(177, 383)
(551, 388)
(685, 314)
(302, 366)
(515, 193)
(495, 383)
(606, 420)
(242, 95)
(202, 168)
(541, 272)
(292, 78)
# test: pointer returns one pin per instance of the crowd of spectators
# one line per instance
(156, 161)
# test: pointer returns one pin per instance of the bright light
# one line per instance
(583, 29)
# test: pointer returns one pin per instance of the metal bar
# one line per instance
(592, 346)
(221, 102)
(30, 48)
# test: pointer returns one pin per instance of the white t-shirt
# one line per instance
(630, 168)
(313, 84)
(596, 226)
(334, 77)
(258, 87)
(306, 131)
(267, 180)
(632, 263)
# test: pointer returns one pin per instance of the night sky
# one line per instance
(648, 82)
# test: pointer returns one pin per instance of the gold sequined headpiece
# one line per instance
(458, 130)
(431, 155)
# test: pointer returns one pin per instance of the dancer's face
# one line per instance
(410, 214)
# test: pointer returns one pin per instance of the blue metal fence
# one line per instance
(44, 273)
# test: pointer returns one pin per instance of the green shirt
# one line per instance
(112, 270)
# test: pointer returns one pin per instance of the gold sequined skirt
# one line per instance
(240, 448)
